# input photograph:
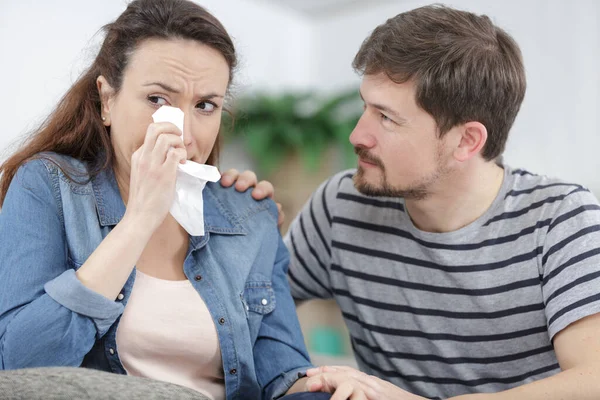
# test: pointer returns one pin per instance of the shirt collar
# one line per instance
(218, 217)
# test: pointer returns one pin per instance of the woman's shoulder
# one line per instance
(55, 164)
(61, 163)
(240, 205)
(52, 173)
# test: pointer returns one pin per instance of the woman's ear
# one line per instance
(473, 138)
(106, 93)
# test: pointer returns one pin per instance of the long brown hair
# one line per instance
(464, 67)
(75, 127)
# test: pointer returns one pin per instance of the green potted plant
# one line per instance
(275, 127)
(296, 140)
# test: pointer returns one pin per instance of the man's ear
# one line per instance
(473, 137)
(107, 94)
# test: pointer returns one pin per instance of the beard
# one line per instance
(416, 191)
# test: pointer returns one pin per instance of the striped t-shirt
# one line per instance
(445, 314)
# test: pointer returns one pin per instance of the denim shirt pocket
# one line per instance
(258, 300)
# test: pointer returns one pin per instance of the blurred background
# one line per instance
(295, 93)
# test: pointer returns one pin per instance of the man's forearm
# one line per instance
(577, 383)
(298, 386)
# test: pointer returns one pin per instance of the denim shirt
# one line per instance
(50, 225)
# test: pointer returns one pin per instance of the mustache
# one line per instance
(363, 153)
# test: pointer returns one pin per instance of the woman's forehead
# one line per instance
(177, 64)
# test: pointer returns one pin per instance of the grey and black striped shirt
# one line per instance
(444, 314)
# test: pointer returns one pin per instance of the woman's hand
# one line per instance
(153, 175)
(151, 194)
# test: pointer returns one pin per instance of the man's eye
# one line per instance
(385, 118)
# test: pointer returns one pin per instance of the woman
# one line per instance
(95, 272)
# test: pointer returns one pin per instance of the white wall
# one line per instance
(558, 129)
(44, 45)
(42, 50)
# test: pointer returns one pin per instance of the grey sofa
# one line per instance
(82, 383)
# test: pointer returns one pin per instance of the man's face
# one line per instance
(399, 153)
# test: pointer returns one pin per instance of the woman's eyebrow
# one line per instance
(164, 86)
(170, 89)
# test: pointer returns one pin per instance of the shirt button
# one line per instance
(233, 371)
(264, 302)
(111, 351)
(221, 321)
(198, 277)
(120, 296)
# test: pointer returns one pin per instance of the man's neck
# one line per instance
(462, 197)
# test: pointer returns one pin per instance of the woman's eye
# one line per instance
(206, 106)
(159, 101)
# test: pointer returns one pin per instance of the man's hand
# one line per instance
(349, 383)
(248, 179)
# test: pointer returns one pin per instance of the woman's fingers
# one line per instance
(164, 143)
(154, 131)
(175, 156)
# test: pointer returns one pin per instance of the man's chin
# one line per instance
(380, 189)
(364, 186)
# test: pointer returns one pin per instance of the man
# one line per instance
(458, 277)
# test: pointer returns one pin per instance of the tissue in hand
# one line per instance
(188, 206)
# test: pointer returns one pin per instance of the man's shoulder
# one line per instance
(341, 187)
(529, 190)
(341, 181)
(524, 182)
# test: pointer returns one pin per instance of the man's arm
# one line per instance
(571, 270)
(577, 348)
(309, 241)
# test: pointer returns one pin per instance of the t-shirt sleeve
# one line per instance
(571, 261)
(309, 243)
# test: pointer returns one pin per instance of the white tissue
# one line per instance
(188, 206)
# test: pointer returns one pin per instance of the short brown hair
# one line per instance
(464, 67)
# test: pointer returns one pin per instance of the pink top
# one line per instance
(166, 333)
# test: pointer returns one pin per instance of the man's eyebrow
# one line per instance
(176, 91)
(385, 109)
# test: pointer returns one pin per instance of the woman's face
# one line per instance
(176, 72)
